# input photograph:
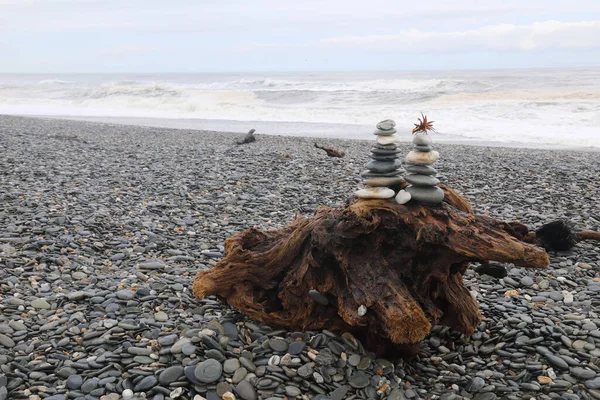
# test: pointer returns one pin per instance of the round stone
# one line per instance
(420, 158)
(161, 316)
(317, 296)
(296, 347)
(391, 181)
(292, 391)
(74, 382)
(354, 360)
(208, 371)
(386, 124)
(421, 180)
(379, 132)
(375, 193)
(431, 195)
(421, 169)
(403, 197)
(422, 139)
(231, 365)
(384, 166)
(387, 139)
(279, 345)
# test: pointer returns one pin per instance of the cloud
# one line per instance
(127, 50)
(501, 37)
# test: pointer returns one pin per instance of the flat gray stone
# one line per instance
(421, 180)
(386, 125)
(423, 148)
(41, 304)
(371, 174)
(245, 390)
(125, 294)
(583, 373)
(383, 157)
(383, 166)
(6, 341)
(318, 297)
(383, 181)
(231, 365)
(385, 152)
(379, 132)
(208, 371)
(421, 169)
(170, 375)
(430, 195)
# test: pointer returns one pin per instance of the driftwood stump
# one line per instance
(404, 263)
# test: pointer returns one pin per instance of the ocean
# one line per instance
(536, 107)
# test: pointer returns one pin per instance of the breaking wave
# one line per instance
(539, 106)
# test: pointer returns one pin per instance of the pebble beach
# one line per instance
(104, 227)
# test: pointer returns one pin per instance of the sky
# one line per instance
(110, 36)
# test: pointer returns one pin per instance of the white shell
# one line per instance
(362, 310)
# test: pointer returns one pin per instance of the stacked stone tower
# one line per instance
(385, 168)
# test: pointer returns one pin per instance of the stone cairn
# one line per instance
(421, 175)
(385, 169)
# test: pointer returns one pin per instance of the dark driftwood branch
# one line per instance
(331, 152)
(249, 138)
(404, 263)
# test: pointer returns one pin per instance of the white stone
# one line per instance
(274, 360)
(362, 310)
(422, 158)
(387, 139)
(375, 193)
(568, 297)
(422, 139)
(228, 396)
(403, 197)
(127, 394)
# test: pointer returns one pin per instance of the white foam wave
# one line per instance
(112, 89)
(486, 109)
(47, 82)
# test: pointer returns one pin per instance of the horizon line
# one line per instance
(301, 71)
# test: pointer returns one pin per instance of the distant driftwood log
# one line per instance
(331, 152)
(249, 138)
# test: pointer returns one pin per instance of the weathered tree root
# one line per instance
(403, 262)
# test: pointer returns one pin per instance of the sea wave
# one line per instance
(532, 95)
(111, 89)
(47, 82)
(481, 107)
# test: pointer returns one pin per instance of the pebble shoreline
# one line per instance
(104, 227)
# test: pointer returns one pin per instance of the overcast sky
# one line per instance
(49, 36)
